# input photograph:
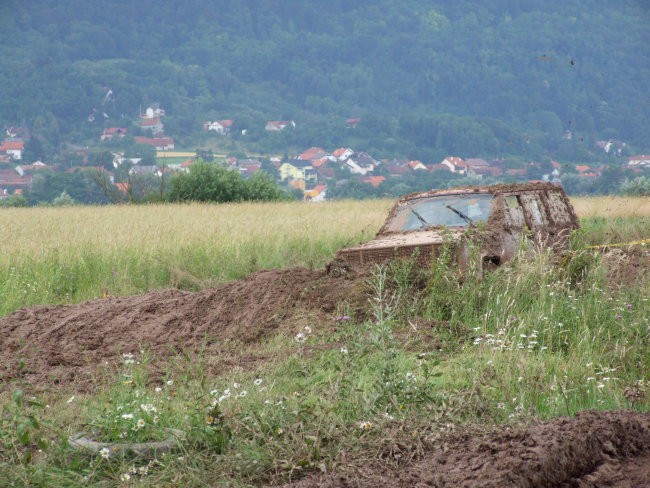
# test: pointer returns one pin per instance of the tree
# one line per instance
(14, 201)
(63, 200)
(638, 187)
(215, 183)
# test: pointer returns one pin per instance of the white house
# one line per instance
(454, 164)
(221, 127)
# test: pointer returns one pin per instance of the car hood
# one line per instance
(408, 239)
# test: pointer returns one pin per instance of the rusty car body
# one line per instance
(494, 219)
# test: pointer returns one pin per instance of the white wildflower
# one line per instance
(300, 337)
(127, 416)
(258, 382)
(344, 350)
(70, 400)
(105, 452)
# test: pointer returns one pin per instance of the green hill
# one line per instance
(427, 77)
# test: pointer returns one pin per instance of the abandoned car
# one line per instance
(484, 225)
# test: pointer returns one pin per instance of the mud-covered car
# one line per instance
(485, 223)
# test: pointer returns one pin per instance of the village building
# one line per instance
(221, 127)
(113, 132)
(454, 164)
(12, 149)
(279, 125)
(160, 143)
(154, 125)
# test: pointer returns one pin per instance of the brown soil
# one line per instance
(594, 449)
(67, 343)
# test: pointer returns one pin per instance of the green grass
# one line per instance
(535, 339)
(532, 340)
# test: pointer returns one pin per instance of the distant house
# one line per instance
(319, 163)
(119, 159)
(154, 125)
(221, 127)
(153, 112)
(297, 169)
(279, 125)
(641, 161)
(160, 143)
(476, 163)
(374, 181)
(146, 171)
(13, 149)
(342, 153)
(24, 169)
(313, 153)
(352, 123)
(454, 164)
(316, 194)
(10, 178)
(112, 132)
(248, 167)
(417, 165)
(361, 163)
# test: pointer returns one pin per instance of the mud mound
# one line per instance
(59, 342)
(594, 449)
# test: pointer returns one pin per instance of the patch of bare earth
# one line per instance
(593, 449)
(68, 343)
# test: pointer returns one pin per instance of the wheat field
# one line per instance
(60, 255)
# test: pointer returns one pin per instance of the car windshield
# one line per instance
(448, 210)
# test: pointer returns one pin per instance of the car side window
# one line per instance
(559, 208)
(515, 214)
(533, 210)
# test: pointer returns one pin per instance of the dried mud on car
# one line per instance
(593, 449)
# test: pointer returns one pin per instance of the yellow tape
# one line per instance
(642, 242)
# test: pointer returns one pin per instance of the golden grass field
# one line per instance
(612, 206)
(155, 228)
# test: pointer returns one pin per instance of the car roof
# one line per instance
(491, 189)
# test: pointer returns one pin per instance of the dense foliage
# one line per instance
(428, 77)
(216, 183)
